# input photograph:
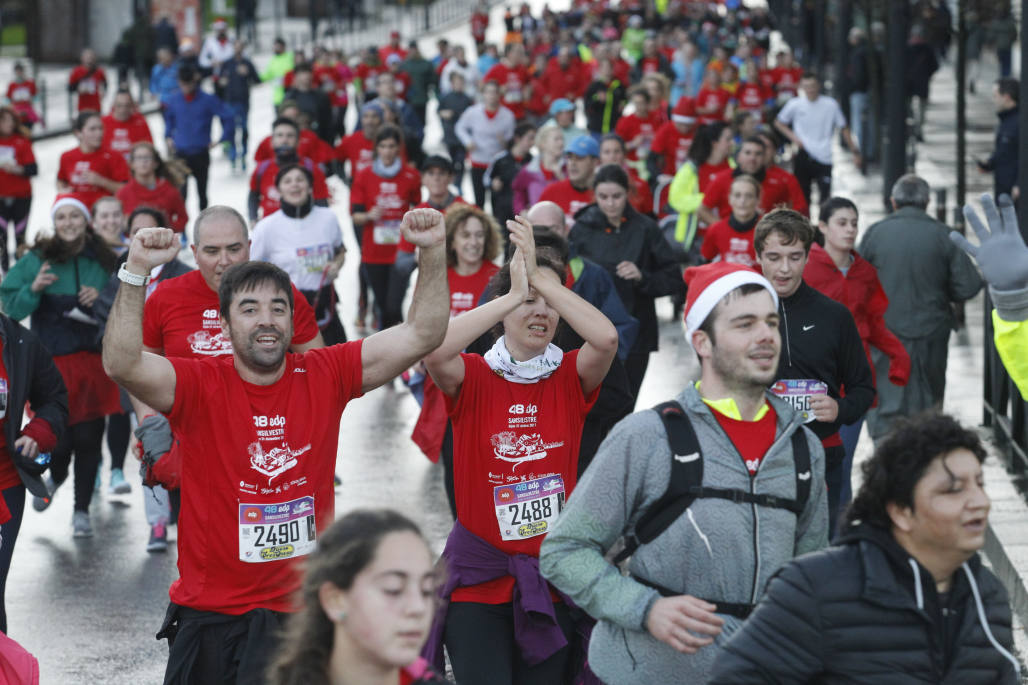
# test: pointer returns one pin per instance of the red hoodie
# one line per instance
(862, 293)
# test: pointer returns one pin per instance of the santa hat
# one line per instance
(709, 283)
(685, 111)
(72, 201)
(219, 24)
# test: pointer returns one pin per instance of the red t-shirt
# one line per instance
(773, 192)
(88, 87)
(639, 195)
(673, 145)
(307, 147)
(479, 23)
(731, 245)
(366, 72)
(386, 51)
(780, 177)
(787, 80)
(466, 290)
(163, 196)
(630, 127)
(75, 162)
(182, 318)
(707, 172)
(568, 197)
(21, 92)
(708, 97)
(357, 149)
(512, 441)
(751, 97)
(19, 149)
(751, 438)
(395, 196)
(262, 182)
(119, 136)
(512, 83)
(257, 475)
(337, 76)
(649, 65)
(8, 473)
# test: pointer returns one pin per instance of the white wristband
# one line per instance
(126, 276)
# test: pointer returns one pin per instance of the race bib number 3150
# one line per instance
(524, 510)
(270, 532)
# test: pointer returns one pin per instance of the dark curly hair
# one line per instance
(344, 550)
(900, 461)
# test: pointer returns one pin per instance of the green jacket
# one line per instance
(422, 79)
(277, 68)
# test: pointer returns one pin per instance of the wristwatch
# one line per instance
(126, 276)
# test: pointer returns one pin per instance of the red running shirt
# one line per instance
(310, 146)
(357, 149)
(395, 196)
(512, 83)
(751, 438)
(74, 164)
(509, 434)
(88, 87)
(673, 145)
(162, 196)
(18, 149)
(257, 472)
(716, 98)
(731, 245)
(630, 127)
(119, 136)
(568, 197)
(182, 318)
(465, 291)
(264, 177)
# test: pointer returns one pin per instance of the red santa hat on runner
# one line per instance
(685, 111)
(709, 283)
(69, 200)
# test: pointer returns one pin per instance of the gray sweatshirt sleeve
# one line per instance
(463, 127)
(604, 505)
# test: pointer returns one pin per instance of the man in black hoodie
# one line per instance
(822, 355)
(902, 596)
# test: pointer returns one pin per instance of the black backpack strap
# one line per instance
(804, 474)
(686, 478)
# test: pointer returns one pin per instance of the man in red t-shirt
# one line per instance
(90, 83)
(671, 145)
(124, 126)
(774, 192)
(259, 435)
(576, 191)
(787, 75)
(358, 148)
(712, 99)
(780, 176)
(512, 75)
(639, 128)
(263, 194)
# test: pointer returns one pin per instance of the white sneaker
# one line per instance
(80, 525)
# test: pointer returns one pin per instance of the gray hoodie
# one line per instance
(717, 550)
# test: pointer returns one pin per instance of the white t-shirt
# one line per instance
(300, 247)
(814, 123)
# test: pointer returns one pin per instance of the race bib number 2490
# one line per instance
(270, 532)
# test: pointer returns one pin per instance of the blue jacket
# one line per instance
(188, 123)
(164, 81)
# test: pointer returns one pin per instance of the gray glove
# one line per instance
(1002, 256)
(155, 434)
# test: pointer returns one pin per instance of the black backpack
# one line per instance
(686, 484)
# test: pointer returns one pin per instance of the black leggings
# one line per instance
(480, 641)
(635, 368)
(14, 213)
(478, 185)
(377, 276)
(199, 164)
(15, 499)
(118, 428)
(84, 439)
(809, 172)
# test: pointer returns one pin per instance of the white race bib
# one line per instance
(524, 510)
(387, 233)
(798, 393)
(270, 532)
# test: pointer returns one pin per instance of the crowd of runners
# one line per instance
(614, 156)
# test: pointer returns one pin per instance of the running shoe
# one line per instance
(80, 525)
(119, 486)
(98, 483)
(41, 503)
(158, 538)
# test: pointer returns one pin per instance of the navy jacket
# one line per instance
(1003, 161)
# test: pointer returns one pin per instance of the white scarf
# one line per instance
(533, 370)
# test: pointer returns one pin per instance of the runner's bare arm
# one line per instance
(149, 377)
(601, 338)
(387, 354)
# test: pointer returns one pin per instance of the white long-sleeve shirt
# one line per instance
(488, 134)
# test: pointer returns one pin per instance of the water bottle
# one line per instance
(43, 459)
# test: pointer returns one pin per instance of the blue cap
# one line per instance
(583, 146)
(562, 105)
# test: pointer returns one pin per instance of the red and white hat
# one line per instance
(709, 283)
(69, 200)
(685, 111)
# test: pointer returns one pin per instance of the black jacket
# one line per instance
(637, 240)
(820, 341)
(865, 612)
(1003, 161)
(603, 105)
(31, 377)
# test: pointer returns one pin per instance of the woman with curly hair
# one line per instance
(368, 599)
(902, 595)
